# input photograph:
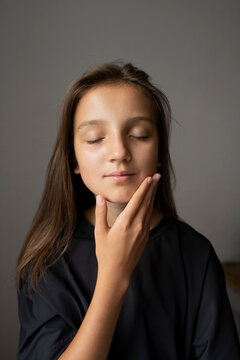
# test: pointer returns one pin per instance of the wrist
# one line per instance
(116, 283)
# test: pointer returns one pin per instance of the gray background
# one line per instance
(191, 50)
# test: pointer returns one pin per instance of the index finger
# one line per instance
(136, 200)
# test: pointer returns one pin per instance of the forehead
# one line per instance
(122, 100)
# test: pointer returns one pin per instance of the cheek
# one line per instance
(148, 158)
(87, 160)
(88, 174)
(89, 164)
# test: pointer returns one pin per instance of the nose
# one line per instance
(118, 150)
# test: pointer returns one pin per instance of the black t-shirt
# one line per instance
(175, 308)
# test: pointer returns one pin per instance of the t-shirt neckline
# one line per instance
(86, 227)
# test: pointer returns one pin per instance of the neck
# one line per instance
(113, 210)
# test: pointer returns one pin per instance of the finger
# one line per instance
(136, 200)
(148, 213)
(101, 225)
(149, 198)
(146, 207)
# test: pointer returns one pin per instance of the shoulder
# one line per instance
(198, 255)
(191, 240)
(179, 238)
(195, 249)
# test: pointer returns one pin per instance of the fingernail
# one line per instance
(157, 177)
(149, 180)
(99, 199)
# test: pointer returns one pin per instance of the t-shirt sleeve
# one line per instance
(215, 333)
(44, 334)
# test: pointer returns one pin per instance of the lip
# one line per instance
(120, 176)
(120, 173)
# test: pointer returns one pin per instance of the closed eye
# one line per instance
(139, 137)
(94, 141)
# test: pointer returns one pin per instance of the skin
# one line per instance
(119, 146)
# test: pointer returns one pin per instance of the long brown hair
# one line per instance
(65, 196)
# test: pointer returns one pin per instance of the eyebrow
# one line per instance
(102, 122)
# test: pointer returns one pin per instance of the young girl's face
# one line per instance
(115, 140)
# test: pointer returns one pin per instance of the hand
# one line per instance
(119, 248)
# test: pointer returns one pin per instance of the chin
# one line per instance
(120, 195)
(119, 199)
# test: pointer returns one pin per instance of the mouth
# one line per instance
(120, 173)
(120, 176)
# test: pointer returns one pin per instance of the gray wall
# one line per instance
(191, 49)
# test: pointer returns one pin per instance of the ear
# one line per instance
(76, 170)
(76, 167)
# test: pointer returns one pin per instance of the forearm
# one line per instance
(94, 337)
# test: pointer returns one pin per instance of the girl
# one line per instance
(108, 269)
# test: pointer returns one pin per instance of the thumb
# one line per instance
(101, 225)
